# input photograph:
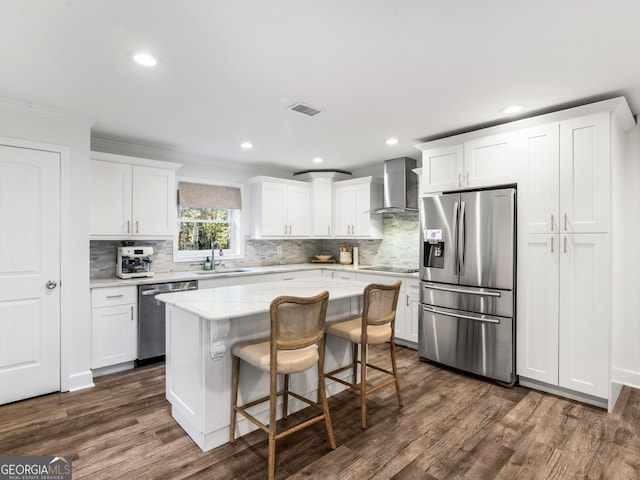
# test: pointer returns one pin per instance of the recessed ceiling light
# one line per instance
(145, 59)
(246, 145)
(318, 160)
(391, 141)
(512, 109)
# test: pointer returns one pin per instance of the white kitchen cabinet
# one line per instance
(563, 176)
(441, 168)
(130, 200)
(339, 275)
(114, 323)
(584, 174)
(407, 318)
(566, 267)
(322, 207)
(563, 311)
(280, 208)
(353, 201)
(584, 309)
(538, 280)
(479, 162)
(539, 179)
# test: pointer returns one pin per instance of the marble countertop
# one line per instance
(163, 277)
(242, 300)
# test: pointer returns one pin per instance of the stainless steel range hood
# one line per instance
(400, 186)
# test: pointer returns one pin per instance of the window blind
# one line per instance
(203, 195)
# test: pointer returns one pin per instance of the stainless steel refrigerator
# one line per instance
(467, 273)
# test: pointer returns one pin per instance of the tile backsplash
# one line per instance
(399, 247)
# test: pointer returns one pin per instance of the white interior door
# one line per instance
(29, 273)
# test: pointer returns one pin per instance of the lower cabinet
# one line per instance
(564, 311)
(408, 306)
(114, 323)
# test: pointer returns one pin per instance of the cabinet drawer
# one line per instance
(106, 297)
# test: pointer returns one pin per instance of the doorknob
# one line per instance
(51, 284)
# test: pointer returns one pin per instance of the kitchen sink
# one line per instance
(223, 270)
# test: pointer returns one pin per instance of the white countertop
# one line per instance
(242, 300)
(164, 277)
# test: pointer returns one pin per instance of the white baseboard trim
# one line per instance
(627, 377)
(81, 380)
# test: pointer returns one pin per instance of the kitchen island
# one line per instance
(201, 327)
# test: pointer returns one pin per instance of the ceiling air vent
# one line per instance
(304, 109)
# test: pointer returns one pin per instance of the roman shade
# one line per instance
(212, 196)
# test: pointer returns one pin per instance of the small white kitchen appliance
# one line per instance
(134, 262)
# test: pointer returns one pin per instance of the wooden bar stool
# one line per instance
(376, 325)
(296, 344)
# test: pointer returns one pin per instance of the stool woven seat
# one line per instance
(296, 344)
(375, 326)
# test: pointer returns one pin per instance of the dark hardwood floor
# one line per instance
(451, 426)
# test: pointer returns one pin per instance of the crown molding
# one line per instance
(50, 113)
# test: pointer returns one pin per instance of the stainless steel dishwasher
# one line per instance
(151, 323)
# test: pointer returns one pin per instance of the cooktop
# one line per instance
(384, 268)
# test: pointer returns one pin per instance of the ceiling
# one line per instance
(411, 69)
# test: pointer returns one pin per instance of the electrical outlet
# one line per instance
(278, 250)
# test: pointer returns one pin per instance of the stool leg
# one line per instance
(234, 397)
(273, 398)
(395, 369)
(363, 384)
(322, 397)
(354, 359)
(285, 403)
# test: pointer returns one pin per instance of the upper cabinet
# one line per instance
(322, 207)
(478, 162)
(132, 198)
(563, 176)
(353, 201)
(280, 208)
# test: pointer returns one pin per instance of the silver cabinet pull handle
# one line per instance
(128, 226)
(115, 296)
(51, 284)
(137, 229)
(551, 244)
(552, 222)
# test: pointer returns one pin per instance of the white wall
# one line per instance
(72, 131)
(626, 360)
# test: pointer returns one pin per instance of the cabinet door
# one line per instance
(539, 179)
(110, 205)
(154, 202)
(442, 169)
(585, 313)
(274, 209)
(298, 215)
(114, 335)
(490, 161)
(321, 207)
(537, 307)
(344, 220)
(584, 174)
(410, 309)
(361, 207)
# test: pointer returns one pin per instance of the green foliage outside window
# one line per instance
(199, 227)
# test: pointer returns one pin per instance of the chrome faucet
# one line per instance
(215, 244)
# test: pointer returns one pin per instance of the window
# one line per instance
(208, 213)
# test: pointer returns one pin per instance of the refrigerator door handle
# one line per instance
(458, 290)
(456, 314)
(456, 209)
(461, 238)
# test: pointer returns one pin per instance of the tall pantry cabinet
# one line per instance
(568, 273)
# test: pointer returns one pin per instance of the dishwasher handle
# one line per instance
(156, 291)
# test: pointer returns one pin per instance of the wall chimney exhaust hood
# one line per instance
(400, 186)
